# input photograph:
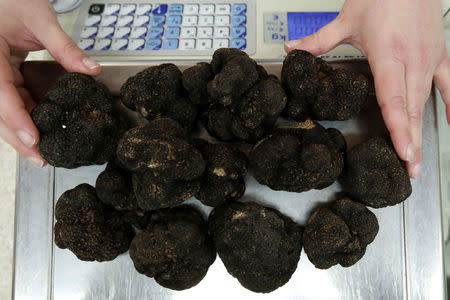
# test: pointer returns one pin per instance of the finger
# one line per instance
(327, 38)
(442, 81)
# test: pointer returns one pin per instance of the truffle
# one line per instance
(316, 90)
(166, 166)
(158, 92)
(223, 178)
(76, 123)
(298, 158)
(258, 245)
(88, 228)
(175, 248)
(195, 81)
(374, 175)
(338, 233)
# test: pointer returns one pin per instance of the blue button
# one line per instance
(175, 9)
(160, 9)
(173, 20)
(156, 21)
(238, 20)
(153, 44)
(238, 32)
(238, 44)
(172, 32)
(238, 9)
(155, 32)
(170, 44)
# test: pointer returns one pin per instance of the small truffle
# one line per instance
(223, 178)
(88, 228)
(158, 92)
(76, 124)
(195, 81)
(175, 248)
(374, 175)
(316, 90)
(166, 166)
(339, 233)
(258, 245)
(298, 158)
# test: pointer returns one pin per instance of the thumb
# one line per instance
(322, 41)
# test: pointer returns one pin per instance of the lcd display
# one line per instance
(301, 24)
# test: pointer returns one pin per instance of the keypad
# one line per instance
(166, 26)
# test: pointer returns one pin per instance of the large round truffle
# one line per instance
(175, 248)
(298, 158)
(166, 166)
(374, 174)
(88, 228)
(223, 178)
(258, 245)
(76, 124)
(339, 233)
(158, 92)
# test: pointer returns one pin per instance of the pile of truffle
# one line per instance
(154, 168)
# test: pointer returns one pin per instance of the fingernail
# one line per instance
(26, 138)
(410, 153)
(90, 63)
(416, 171)
(293, 43)
(36, 161)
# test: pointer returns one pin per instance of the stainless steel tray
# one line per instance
(405, 260)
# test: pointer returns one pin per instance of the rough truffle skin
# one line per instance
(338, 233)
(76, 124)
(258, 245)
(316, 90)
(299, 158)
(175, 248)
(158, 92)
(88, 228)
(166, 166)
(195, 81)
(223, 179)
(374, 174)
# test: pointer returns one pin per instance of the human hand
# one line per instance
(26, 26)
(403, 41)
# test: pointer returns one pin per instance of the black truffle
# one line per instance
(298, 158)
(195, 81)
(316, 90)
(374, 174)
(76, 124)
(166, 166)
(88, 228)
(223, 178)
(175, 248)
(258, 245)
(339, 233)
(158, 92)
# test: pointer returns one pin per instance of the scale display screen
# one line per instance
(301, 24)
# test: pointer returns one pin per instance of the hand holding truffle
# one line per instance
(22, 31)
(406, 52)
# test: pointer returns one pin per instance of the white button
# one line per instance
(125, 21)
(187, 44)
(206, 9)
(188, 32)
(127, 9)
(86, 44)
(135, 44)
(108, 21)
(92, 20)
(222, 20)
(105, 32)
(205, 32)
(204, 44)
(191, 9)
(143, 9)
(138, 32)
(111, 9)
(222, 9)
(221, 32)
(102, 44)
(190, 20)
(206, 20)
(220, 43)
(122, 32)
(119, 44)
(141, 21)
(89, 32)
